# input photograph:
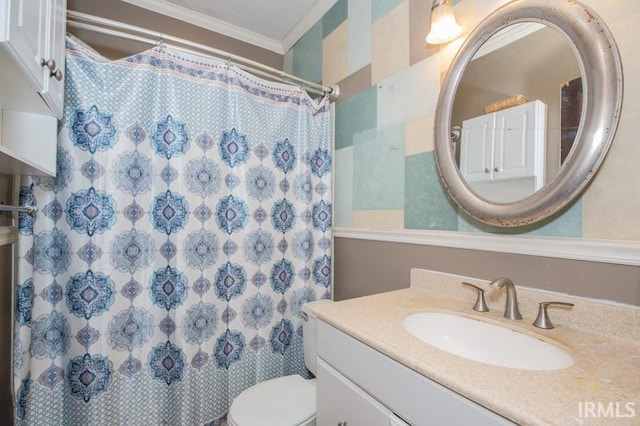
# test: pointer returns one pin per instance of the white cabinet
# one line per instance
(27, 36)
(28, 144)
(342, 402)
(32, 42)
(361, 386)
(54, 87)
(504, 145)
(476, 148)
(33, 36)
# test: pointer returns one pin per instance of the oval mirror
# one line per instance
(527, 111)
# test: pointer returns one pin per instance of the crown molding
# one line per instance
(315, 14)
(606, 251)
(280, 47)
(207, 22)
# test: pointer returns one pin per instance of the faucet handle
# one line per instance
(481, 305)
(542, 320)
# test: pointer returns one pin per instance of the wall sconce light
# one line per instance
(444, 27)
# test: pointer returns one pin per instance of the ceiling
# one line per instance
(271, 24)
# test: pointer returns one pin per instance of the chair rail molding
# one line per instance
(606, 251)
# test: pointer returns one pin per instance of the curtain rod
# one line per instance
(19, 209)
(109, 27)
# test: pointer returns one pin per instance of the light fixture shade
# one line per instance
(444, 27)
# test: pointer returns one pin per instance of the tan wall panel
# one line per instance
(365, 267)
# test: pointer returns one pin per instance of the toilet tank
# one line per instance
(309, 335)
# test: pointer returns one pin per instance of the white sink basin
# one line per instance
(487, 343)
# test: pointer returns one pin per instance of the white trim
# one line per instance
(314, 15)
(333, 190)
(212, 24)
(606, 251)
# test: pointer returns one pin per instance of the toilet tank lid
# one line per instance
(306, 307)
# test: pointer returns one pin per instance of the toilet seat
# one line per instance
(285, 401)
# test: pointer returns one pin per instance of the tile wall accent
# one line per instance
(343, 194)
(370, 218)
(306, 55)
(426, 204)
(354, 115)
(334, 18)
(386, 176)
(390, 43)
(418, 136)
(334, 55)
(378, 169)
(379, 8)
(359, 44)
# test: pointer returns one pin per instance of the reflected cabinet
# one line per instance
(504, 152)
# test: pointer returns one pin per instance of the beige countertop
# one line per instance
(603, 339)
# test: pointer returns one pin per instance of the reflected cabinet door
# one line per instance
(519, 138)
(476, 148)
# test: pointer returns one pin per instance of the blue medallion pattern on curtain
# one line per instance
(189, 221)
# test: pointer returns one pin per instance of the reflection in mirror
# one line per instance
(518, 107)
(598, 100)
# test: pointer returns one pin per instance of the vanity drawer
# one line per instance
(410, 395)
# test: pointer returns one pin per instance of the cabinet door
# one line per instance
(340, 402)
(53, 89)
(518, 132)
(28, 36)
(476, 148)
(28, 144)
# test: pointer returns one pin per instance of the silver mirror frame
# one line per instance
(601, 68)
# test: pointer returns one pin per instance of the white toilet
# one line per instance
(285, 401)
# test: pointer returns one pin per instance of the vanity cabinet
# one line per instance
(32, 44)
(343, 403)
(504, 145)
(357, 385)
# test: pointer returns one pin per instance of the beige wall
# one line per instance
(124, 12)
(367, 267)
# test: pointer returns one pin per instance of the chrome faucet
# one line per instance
(511, 307)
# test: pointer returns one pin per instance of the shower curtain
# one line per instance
(165, 269)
